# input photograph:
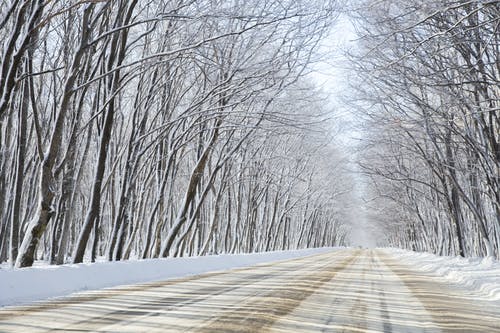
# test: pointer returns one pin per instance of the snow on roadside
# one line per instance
(19, 286)
(480, 275)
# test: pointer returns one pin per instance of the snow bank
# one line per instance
(24, 285)
(480, 275)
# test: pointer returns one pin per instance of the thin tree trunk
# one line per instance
(46, 185)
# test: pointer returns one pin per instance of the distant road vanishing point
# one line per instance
(350, 290)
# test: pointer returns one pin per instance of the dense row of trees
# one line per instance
(431, 97)
(162, 128)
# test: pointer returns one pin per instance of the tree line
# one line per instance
(430, 98)
(144, 129)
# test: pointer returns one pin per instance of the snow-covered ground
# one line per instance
(480, 275)
(18, 286)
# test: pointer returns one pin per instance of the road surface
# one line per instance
(343, 291)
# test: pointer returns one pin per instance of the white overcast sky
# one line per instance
(332, 75)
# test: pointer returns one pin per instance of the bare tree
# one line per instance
(431, 83)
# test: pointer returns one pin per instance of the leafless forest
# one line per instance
(145, 129)
(162, 128)
(430, 96)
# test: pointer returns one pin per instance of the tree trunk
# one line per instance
(46, 184)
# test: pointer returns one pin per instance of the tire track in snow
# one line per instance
(91, 311)
(196, 311)
(259, 312)
(452, 309)
(343, 291)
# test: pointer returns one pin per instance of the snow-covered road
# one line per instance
(349, 290)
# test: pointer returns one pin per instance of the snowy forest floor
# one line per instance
(344, 290)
